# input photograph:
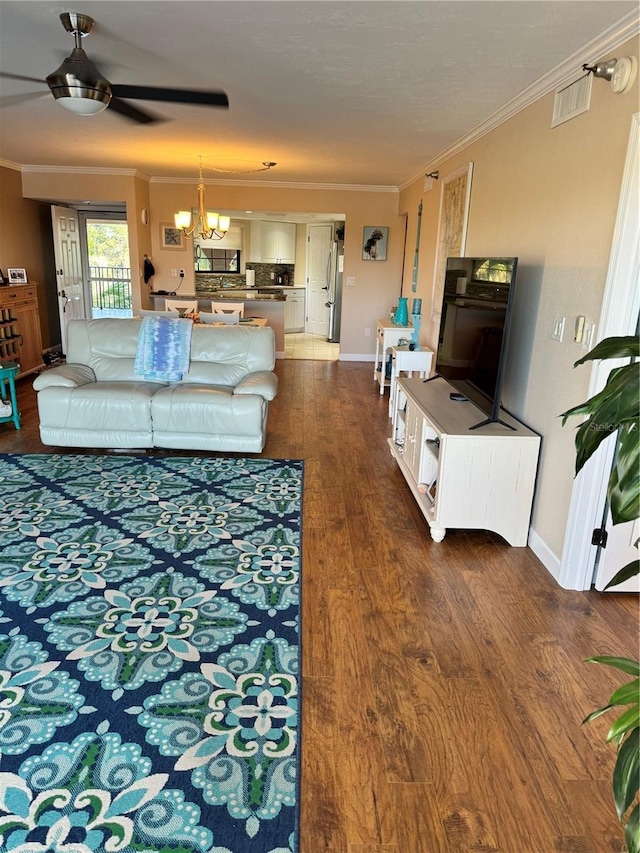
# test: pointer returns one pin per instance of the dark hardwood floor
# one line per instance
(443, 684)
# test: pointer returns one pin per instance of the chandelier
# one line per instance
(206, 224)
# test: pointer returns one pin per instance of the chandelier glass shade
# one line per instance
(205, 224)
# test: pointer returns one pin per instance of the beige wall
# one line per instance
(549, 197)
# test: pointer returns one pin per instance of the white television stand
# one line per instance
(463, 477)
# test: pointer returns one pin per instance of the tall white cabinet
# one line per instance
(461, 477)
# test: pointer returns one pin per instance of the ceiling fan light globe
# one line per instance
(82, 105)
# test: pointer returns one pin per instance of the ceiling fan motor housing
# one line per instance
(78, 78)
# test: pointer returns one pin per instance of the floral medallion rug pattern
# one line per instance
(149, 615)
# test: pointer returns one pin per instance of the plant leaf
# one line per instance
(629, 571)
(625, 723)
(627, 694)
(631, 667)
(626, 774)
(625, 346)
(624, 482)
(632, 831)
(616, 405)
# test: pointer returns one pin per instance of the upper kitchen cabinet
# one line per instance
(273, 242)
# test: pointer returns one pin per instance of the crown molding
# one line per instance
(9, 164)
(598, 48)
(282, 185)
(84, 170)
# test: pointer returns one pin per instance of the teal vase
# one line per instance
(402, 316)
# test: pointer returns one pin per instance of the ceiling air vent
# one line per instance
(571, 100)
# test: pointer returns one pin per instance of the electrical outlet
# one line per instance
(367, 333)
(351, 281)
(181, 273)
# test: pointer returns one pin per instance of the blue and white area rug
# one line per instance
(149, 618)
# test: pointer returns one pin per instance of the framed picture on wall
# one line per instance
(452, 229)
(170, 237)
(17, 276)
(374, 243)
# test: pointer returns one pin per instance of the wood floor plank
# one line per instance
(443, 683)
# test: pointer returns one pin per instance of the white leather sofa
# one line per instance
(96, 400)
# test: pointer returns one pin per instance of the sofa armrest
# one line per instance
(65, 376)
(263, 383)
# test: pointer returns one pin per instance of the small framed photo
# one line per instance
(3, 278)
(17, 276)
(374, 244)
(170, 236)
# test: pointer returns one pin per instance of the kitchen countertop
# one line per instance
(232, 295)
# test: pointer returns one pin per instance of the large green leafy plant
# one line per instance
(617, 409)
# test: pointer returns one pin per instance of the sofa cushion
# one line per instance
(207, 410)
(108, 406)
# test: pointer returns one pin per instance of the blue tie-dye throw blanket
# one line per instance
(164, 345)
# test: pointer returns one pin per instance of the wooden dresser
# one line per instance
(20, 335)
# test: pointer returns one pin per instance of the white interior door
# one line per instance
(620, 551)
(69, 278)
(318, 278)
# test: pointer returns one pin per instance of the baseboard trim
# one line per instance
(545, 555)
(354, 356)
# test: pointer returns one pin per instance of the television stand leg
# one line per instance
(491, 421)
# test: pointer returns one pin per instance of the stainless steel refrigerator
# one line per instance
(334, 283)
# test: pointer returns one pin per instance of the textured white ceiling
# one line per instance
(334, 92)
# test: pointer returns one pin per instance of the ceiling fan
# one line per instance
(81, 88)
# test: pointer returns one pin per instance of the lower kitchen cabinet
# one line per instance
(294, 310)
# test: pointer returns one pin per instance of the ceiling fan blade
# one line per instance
(16, 100)
(176, 96)
(128, 111)
(8, 76)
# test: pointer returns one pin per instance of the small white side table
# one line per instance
(404, 360)
(387, 335)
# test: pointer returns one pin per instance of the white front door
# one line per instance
(318, 278)
(68, 257)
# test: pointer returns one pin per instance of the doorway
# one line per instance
(93, 276)
(105, 257)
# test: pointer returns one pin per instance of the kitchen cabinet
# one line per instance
(278, 242)
(20, 335)
(294, 310)
(460, 476)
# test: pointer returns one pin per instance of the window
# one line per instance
(217, 260)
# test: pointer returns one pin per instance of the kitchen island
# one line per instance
(267, 305)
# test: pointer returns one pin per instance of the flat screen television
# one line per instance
(474, 329)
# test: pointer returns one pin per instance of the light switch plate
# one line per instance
(558, 329)
(351, 281)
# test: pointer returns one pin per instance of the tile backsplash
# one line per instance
(208, 281)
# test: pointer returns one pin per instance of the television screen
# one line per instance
(474, 328)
